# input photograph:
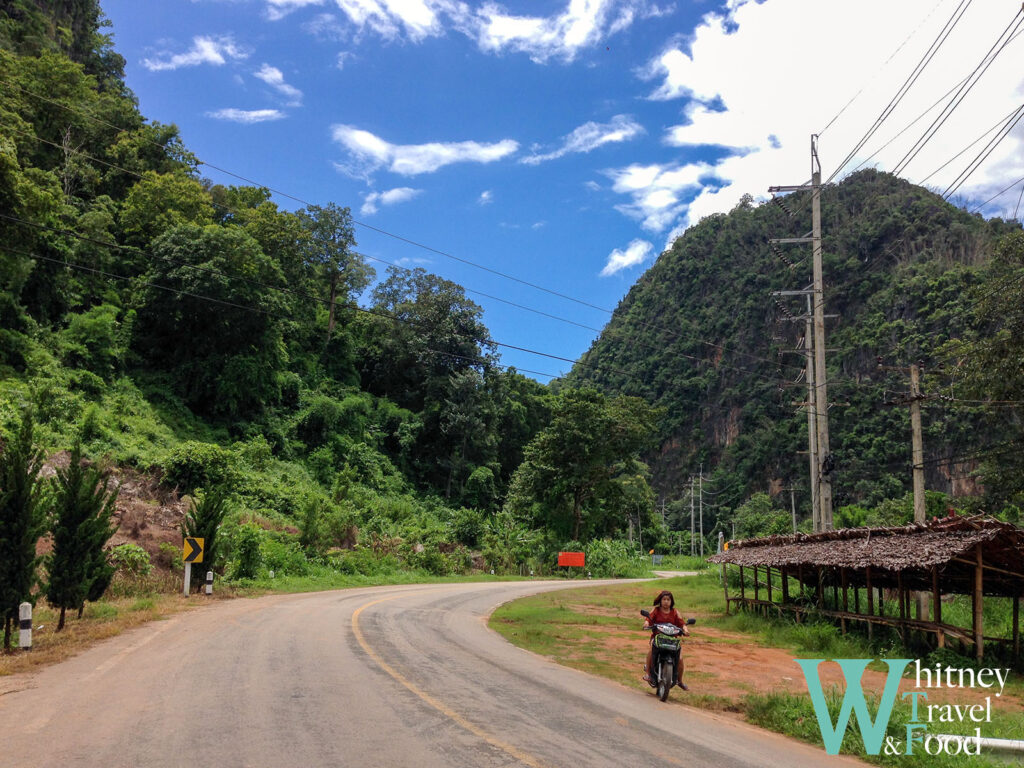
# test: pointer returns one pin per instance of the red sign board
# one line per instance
(571, 559)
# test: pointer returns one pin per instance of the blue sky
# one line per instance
(565, 143)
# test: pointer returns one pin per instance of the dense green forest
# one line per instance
(909, 278)
(247, 356)
(203, 335)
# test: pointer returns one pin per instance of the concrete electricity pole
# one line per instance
(822, 459)
(693, 541)
(917, 445)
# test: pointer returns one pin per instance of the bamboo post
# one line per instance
(743, 587)
(979, 634)
(757, 591)
(856, 599)
(768, 576)
(871, 601)
(937, 608)
(785, 586)
(901, 599)
(821, 590)
(835, 594)
(725, 586)
(842, 620)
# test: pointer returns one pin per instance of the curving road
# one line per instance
(395, 677)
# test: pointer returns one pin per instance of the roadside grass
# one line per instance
(590, 630)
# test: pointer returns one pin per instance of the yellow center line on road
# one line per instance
(476, 730)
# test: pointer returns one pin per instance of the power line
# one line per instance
(933, 49)
(961, 93)
(304, 202)
(983, 155)
(1001, 121)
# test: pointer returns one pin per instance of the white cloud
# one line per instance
(486, 197)
(247, 116)
(582, 24)
(590, 136)
(273, 77)
(205, 50)
(278, 9)
(636, 253)
(373, 200)
(369, 153)
(752, 88)
(658, 192)
(344, 56)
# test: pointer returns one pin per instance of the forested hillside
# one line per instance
(248, 357)
(702, 336)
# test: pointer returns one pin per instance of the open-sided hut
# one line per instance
(977, 556)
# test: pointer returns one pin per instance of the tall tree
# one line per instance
(22, 520)
(82, 508)
(332, 244)
(575, 467)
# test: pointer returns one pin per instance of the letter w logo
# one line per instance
(872, 731)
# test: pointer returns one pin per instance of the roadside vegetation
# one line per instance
(598, 631)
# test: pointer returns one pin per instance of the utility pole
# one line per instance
(917, 445)
(822, 459)
(693, 542)
(792, 505)
(812, 422)
(700, 485)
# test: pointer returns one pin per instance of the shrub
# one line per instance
(247, 547)
(197, 465)
(131, 561)
(284, 556)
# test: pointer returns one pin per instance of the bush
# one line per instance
(131, 561)
(284, 556)
(363, 561)
(247, 548)
(197, 465)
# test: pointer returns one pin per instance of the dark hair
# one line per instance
(657, 600)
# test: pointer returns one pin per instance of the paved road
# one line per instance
(394, 677)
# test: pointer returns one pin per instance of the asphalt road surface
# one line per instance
(396, 677)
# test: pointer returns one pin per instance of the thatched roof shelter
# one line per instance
(948, 544)
(977, 556)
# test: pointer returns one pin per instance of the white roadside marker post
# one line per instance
(209, 582)
(25, 626)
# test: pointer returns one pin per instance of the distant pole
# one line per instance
(918, 444)
(792, 504)
(700, 485)
(693, 541)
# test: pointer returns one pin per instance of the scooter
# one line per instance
(665, 659)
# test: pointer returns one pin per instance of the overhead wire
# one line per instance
(882, 66)
(997, 47)
(912, 78)
(367, 226)
(983, 154)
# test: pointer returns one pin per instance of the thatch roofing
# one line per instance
(912, 550)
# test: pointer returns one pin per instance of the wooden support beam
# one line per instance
(725, 586)
(846, 607)
(785, 586)
(1015, 574)
(871, 600)
(821, 590)
(768, 576)
(937, 606)
(743, 585)
(856, 599)
(756, 585)
(979, 638)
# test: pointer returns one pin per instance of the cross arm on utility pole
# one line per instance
(791, 240)
(789, 188)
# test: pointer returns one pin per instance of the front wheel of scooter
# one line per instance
(665, 680)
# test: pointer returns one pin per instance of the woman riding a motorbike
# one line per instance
(664, 613)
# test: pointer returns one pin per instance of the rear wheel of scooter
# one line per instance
(665, 680)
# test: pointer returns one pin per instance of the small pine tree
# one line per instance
(203, 521)
(83, 507)
(22, 521)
